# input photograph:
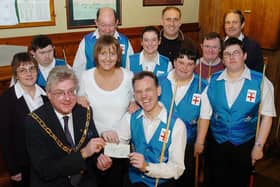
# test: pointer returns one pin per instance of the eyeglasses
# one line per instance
(24, 71)
(60, 94)
(234, 54)
(211, 47)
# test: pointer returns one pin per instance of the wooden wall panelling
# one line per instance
(70, 42)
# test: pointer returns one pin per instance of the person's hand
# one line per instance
(198, 148)
(257, 154)
(110, 136)
(132, 107)
(137, 160)
(82, 100)
(17, 177)
(104, 162)
(94, 146)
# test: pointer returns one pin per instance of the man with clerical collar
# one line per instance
(61, 138)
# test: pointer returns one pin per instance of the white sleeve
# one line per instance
(175, 166)
(129, 52)
(205, 108)
(82, 85)
(170, 67)
(79, 64)
(267, 101)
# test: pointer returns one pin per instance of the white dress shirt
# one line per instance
(233, 89)
(70, 123)
(181, 90)
(175, 165)
(32, 103)
(150, 65)
(45, 70)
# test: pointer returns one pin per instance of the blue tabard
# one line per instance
(188, 109)
(90, 40)
(40, 78)
(238, 123)
(160, 69)
(151, 150)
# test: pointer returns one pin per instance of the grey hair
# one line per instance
(59, 74)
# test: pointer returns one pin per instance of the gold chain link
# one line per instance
(57, 140)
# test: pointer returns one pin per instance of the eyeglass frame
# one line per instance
(235, 54)
(24, 71)
(60, 94)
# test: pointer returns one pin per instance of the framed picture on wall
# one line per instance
(81, 14)
(162, 2)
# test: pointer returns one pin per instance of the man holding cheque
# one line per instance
(157, 157)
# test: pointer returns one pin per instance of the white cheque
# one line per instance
(117, 150)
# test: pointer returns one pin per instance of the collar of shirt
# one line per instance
(216, 62)
(162, 116)
(240, 37)
(70, 122)
(60, 117)
(245, 75)
(46, 70)
(171, 75)
(20, 91)
(181, 90)
(96, 33)
(142, 61)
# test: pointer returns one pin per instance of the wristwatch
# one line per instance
(146, 171)
(258, 144)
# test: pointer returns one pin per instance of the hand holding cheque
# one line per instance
(113, 147)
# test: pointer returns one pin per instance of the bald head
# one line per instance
(106, 21)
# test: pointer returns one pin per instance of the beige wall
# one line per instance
(133, 14)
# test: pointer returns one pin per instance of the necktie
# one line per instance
(67, 132)
(74, 179)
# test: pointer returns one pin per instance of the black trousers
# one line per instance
(117, 175)
(187, 178)
(166, 184)
(228, 165)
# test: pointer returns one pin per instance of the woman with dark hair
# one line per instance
(16, 102)
(149, 58)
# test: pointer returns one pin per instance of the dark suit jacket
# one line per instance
(50, 165)
(254, 54)
(13, 112)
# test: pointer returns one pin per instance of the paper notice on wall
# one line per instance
(8, 14)
(33, 11)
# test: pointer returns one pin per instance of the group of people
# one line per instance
(168, 104)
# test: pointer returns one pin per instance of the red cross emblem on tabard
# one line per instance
(162, 136)
(196, 99)
(251, 96)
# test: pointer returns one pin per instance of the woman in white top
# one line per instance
(23, 97)
(108, 89)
